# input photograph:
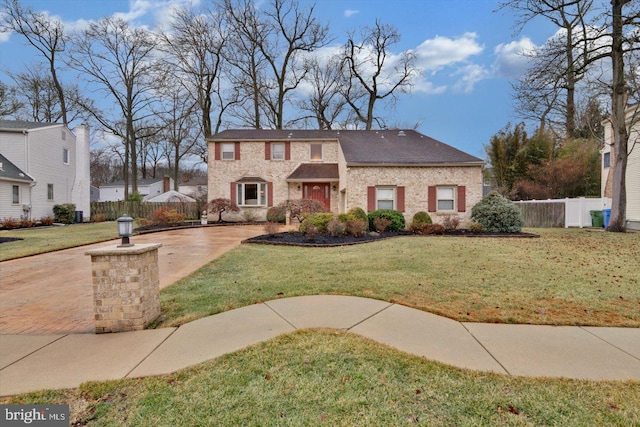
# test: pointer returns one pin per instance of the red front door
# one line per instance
(320, 191)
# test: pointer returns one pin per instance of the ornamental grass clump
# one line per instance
(497, 214)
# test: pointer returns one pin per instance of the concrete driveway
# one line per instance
(52, 293)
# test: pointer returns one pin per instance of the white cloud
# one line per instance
(434, 54)
(471, 74)
(428, 88)
(4, 36)
(137, 9)
(512, 58)
(348, 13)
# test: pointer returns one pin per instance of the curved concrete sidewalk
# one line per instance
(33, 362)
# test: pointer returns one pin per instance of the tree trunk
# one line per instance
(620, 135)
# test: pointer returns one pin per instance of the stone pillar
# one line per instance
(126, 287)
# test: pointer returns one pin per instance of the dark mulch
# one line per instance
(295, 238)
(9, 239)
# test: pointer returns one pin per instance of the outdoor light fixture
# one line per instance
(125, 229)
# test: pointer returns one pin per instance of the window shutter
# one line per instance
(237, 151)
(216, 149)
(462, 207)
(267, 151)
(269, 194)
(400, 195)
(287, 150)
(371, 199)
(431, 199)
(233, 193)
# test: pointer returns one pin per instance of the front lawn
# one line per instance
(39, 240)
(337, 379)
(565, 277)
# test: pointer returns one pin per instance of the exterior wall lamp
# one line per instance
(125, 229)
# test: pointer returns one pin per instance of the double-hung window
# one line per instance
(385, 198)
(227, 151)
(251, 194)
(606, 160)
(277, 151)
(446, 198)
(50, 192)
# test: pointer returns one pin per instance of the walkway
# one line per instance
(52, 293)
(33, 362)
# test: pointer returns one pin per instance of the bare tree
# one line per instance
(118, 59)
(325, 103)
(9, 103)
(194, 43)
(371, 72)
(43, 33)
(277, 37)
(39, 98)
(550, 84)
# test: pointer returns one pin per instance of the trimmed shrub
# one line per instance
(249, 215)
(165, 216)
(301, 208)
(356, 228)
(27, 223)
(98, 218)
(450, 223)
(381, 224)
(64, 213)
(396, 218)
(497, 214)
(420, 218)
(277, 214)
(10, 223)
(359, 213)
(475, 227)
(428, 229)
(318, 220)
(346, 217)
(47, 220)
(335, 227)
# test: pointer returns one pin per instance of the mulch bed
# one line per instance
(9, 239)
(295, 238)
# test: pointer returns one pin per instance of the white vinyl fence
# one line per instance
(561, 212)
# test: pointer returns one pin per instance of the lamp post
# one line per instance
(125, 229)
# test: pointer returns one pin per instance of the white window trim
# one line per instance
(454, 190)
(604, 163)
(281, 144)
(393, 199)
(222, 150)
(67, 154)
(52, 198)
(262, 194)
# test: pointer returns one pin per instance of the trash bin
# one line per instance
(596, 219)
(77, 216)
(606, 215)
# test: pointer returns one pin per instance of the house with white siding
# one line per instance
(147, 188)
(43, 165)
(375, 169)
(632, 175)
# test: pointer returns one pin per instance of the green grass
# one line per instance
(565, 277)
(46, 239)
(338, 379)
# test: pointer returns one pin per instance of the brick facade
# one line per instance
(410, 177)
(126, 287)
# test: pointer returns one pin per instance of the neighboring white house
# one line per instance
(169, 196)
(633, 166)
(149, 187)
(193, 187)
(44, 164)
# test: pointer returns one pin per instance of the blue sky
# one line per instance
(467, 54)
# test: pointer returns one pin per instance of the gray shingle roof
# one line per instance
(367, 147)
(315, 172)
(11, 172)
(19, 125)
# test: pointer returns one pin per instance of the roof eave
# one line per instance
(443, 164)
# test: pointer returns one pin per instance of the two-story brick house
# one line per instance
(377, 169)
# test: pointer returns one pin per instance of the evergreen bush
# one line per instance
(396, 218)
(497, 214)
